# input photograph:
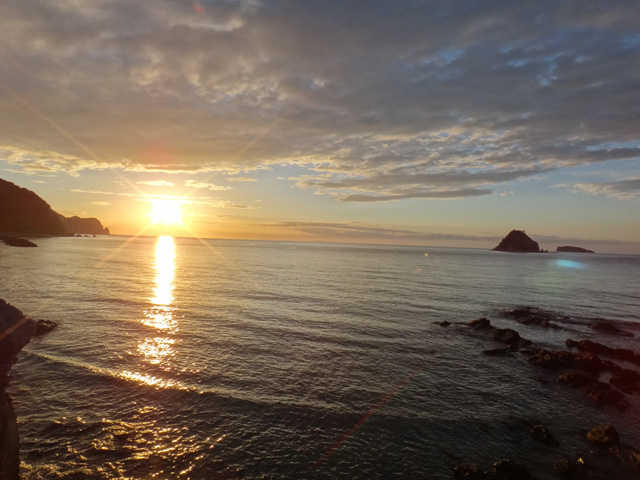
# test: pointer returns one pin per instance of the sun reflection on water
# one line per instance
(157, 349)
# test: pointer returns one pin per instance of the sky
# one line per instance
(445, 123)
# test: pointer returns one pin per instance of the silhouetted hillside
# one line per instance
(85, 226)
(24, 212)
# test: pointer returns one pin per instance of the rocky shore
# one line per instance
(605, 375)
(16, 330)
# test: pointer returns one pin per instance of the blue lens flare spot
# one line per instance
(569, 264)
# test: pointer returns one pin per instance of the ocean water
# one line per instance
(215, 359)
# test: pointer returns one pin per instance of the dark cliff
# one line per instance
(87, 226)
(518, 241)
(25, 213)
(15, 332)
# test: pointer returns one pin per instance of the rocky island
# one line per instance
(518, 241)
(24, 213)
(573, 250)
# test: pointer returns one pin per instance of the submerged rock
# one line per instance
(540, 434)
(605, 326)
(503, 335)
(509, 470)
(470, 472)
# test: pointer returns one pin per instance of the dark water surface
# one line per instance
(191, 359)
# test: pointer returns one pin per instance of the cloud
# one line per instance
(208, 186)
(100, 204)
(156, 183)
(378, 100)
(623, 189)
(241, 179)
(356, 230)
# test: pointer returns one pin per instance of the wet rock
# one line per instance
(44, 326)
(17, 330)
(470, 472)
(499, 352)
(532, 316)
(561, 359)
(622, 354)
(575, 379)
(542, 435)
(626, 380)
(443, 323)
(480, 324)
(506, 335)
(604, 435)
(509, 470)
(627, 455)
(605, 326)
(574, 468)
(603, 394)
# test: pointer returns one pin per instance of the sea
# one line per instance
(183, 358)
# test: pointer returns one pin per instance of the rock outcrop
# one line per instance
(15, 332)
(573, 250)
(517, 241)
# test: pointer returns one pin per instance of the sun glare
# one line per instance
(165, 211)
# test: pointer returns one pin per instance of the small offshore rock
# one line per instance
(509, 470)
(605, 435)
(542, 435)
(443, 323)
(44, 326)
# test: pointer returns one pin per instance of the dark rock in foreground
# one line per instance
(540, 434)
(502, 470)
(573, 250)
(605, 435)
(15, 332)
(517, 241)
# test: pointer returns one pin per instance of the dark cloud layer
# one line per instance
(377, 100)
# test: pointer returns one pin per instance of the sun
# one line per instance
(166, 211)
